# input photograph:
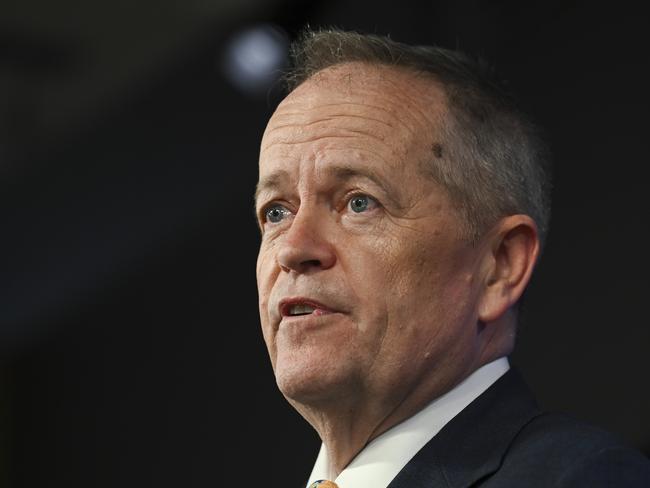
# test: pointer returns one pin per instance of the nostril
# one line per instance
(304, 249)
(302, 266)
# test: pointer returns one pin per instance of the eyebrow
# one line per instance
(345, 173)
(279, 179)
(272, 182)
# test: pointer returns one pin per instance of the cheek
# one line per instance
(265, 280)
(262, 292)
(266, 271)
(426, 288)
(381, 287)
(407, 270)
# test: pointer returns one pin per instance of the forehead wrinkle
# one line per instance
(293, 142)
(385, 116)
(349, 126)
(330, 118)
(323, 145)
(327, 128)
(342, 134)
(363, 163)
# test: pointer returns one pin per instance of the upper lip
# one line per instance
(285, 305)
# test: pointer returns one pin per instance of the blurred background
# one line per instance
(130, 350)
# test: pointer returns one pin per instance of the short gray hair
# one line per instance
(496, 162)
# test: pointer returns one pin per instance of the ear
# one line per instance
(513, 250)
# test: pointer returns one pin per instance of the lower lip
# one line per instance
(319, 311)
(301, 318)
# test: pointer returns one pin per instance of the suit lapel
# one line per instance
(472, 445)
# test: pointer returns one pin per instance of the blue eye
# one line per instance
(360, 203)
(275, 213)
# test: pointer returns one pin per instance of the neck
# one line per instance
(348, 423)
(345, 429)
(347, 426)
(425, 422)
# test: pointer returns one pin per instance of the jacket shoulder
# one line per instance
(558, 450)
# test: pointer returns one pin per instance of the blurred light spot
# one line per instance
(255, 57)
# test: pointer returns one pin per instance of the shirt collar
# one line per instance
(380, 461)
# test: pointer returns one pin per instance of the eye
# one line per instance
(275, 213)
(361, 203)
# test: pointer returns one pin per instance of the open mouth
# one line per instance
(300, 309)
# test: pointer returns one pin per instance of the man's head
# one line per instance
(488, 154)
(400, 200)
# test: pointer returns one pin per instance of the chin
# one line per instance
(310, 382)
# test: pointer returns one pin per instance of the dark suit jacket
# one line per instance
(502, 439)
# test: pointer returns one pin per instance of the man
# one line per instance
(403, 203)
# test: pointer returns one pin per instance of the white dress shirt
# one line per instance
(385, 456)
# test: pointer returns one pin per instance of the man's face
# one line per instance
(366, 287)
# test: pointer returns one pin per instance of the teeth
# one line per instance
(300, 309)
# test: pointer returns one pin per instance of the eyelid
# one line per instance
(359, 193)
(264, 209)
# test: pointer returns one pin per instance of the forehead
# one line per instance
(365, 81)
(384, 110)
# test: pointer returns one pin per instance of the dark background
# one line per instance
(130, 350)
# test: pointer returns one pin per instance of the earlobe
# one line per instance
(513, 253)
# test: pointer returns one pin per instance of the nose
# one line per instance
(306, 246)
